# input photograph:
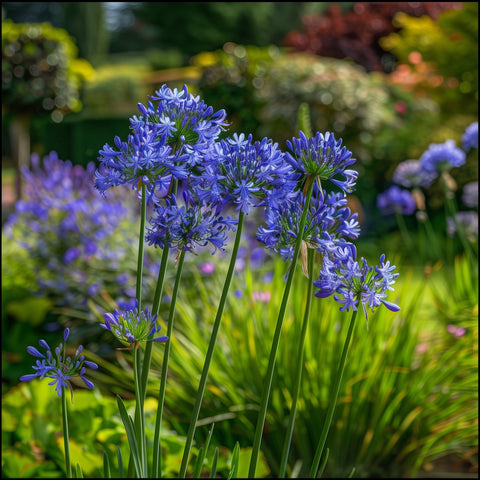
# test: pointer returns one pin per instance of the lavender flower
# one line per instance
(470, 194)
(328, 220)
(470, 137)
(411, 174)
(131, 326)
(188, 226)
(58, 366)
(243, 172)
(396, 200)
(441, 157)
(322, 157)
(352, 282)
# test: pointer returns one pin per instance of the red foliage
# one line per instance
(355, 33)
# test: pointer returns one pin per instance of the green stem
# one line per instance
(211, 346)
(333, 399)
(161, 396)
(66, 440)
(404, 231)
(141, 244)
(276, 338)
(140, 431)
(299, 366)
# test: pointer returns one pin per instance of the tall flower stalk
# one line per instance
(299, 366)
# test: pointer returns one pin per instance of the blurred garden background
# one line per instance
(389, 78)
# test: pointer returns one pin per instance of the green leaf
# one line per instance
(213, 471)
(235, 460)
(79, 473)
(130, 430)
(201, 455)
(106, 466)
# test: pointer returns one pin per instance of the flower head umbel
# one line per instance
(396, 200)
(470, 137)
(323, 158)
(328, 221)
(58, 366)
(441, 157)
(131, 326)
(243, 172)
(470, 194)
(352, 282)
(410, 173)
(467, 221)
(186, 227)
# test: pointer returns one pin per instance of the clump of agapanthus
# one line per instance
(352, 283)
(442, 157)
(189, 226)
(470, 137)
(323, 158)
(396, 200)
(470, 194)
(58, 366)
(242, 172)
(467, 221)
(328, 221)
(65, 225)
(410, 174)
(132, 326)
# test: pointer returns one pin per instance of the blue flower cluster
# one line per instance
(131, 326)
(437, 160)
(352, 282)
(67, 226)
(58, 366)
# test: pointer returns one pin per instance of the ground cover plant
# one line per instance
(193, 188)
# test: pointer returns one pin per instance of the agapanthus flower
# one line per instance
(188, 226)
(190, 126)
(328, 221)
(411, 174)
(467, 221)
(396, 200)
(352, 282)
(131, 326)
(470, 137)
(145, 158)
(441, 157)
(470, 194)
(323, 158)
(241, 171)
(58, 366)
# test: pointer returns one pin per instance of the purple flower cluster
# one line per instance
(66, 226)
(352, 282)
(131, 326)
(167, 141)
(396, 200)
(58, 366)
(411, 174)
(185, 227)
(441, 157)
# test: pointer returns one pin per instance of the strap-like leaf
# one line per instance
(201, 455)
(130, 430)
(120, 462)
(79, 473)
(213, 471)
(106, 466)
(323, 464)
(235, 462)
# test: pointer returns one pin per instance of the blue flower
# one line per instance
(186, 227)
(58, 366)
(323, 158)
(396, 200)
(441, 157)
(243, 172)
(470, 194)
(467, 221)
(352, 282)
(410, 173)
(470, 137)
(131, 326)
(328, 221)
